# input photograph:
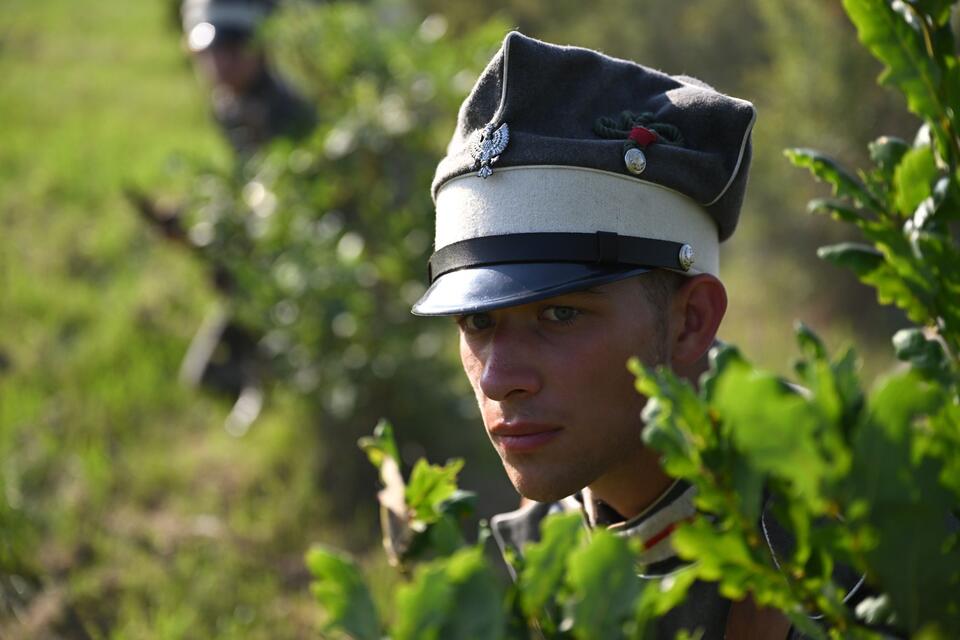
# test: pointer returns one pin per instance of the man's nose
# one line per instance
(510, 366)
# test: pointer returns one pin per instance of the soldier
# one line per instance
(250, 102)
(580, 209)
(253, 107)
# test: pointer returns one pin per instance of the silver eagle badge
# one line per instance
(487, 145)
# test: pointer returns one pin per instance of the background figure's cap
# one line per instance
(569, 169)
(210, 22)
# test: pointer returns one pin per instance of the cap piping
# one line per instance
(506, 67)
(743, 149)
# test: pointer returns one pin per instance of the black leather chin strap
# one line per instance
(600, 248)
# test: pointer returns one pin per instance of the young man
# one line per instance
(580, 209)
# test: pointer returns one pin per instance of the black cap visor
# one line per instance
(489, 287)
(232, 36)
(206, 36)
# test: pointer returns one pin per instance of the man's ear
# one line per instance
(695, 314)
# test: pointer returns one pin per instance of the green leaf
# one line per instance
(943, 442)
(911, 345)
(834, 389)
(381, 445)
(859, 258)
(443, 537)
(847, 380)
(845, 185)
(545, 561)
(839, 209)
(892, 288)
(748, 482)
(671, 592)
(907, 504)
(938, 255)
(339, 588)
(945, 203)
(809, 342)
(460, 504)
(478, 614)
(423, 606)
(676, 424)
(913, 179)
(938, 10)
(721, 356)
(886, 153)
(776, 430)
(602, 576)
(717, 553)
(800, 524)
(901, 48)
(454, 597)
(429, 486)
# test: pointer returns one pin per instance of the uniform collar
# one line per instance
(654, 526)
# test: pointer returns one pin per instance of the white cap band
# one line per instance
(559, 199)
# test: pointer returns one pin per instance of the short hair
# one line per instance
(659, 285)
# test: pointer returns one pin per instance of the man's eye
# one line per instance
(560, 314)
(476, 322)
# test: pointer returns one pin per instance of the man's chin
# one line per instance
(541, 488)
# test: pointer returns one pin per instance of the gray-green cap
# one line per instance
(569, 168)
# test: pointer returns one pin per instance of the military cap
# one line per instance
(210, 22)
(569, 169)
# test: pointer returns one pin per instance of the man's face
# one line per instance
(234, 65)
(550, 378)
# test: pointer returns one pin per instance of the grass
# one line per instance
(126, 511)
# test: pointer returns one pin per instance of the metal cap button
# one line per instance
(635, 160)
(686, 257)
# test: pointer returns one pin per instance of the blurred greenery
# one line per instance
(126, 510)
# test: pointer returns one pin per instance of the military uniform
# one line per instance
(704, 609)
(267, 111)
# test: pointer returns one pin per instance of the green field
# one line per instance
(125, 508)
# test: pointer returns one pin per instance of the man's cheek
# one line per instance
(472, 367)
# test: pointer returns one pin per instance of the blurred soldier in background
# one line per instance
(253, 107)
(250, 103)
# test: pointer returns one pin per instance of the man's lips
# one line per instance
(521, 437)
